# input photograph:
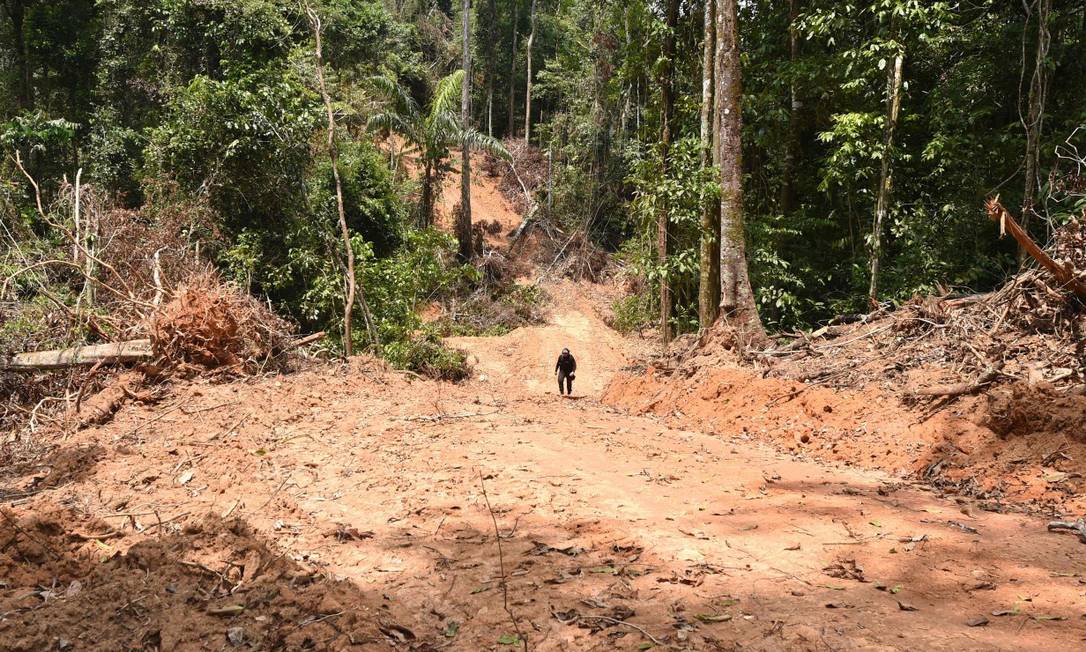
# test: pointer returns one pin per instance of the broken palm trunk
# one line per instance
(1064, 274)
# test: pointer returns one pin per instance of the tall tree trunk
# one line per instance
(737, 297)
(528, 88)
(333, 154)
(511, 126)
(1034, 121)
(491, 40)
(882, 205)
(709, 282)
(791, 146)
(667, 100)
(463, 221)
(16, 10)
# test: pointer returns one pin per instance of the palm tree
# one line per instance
(430, 136)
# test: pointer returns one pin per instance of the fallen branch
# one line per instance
(304, 341)
(102, 354)
(959, 389)
(501, 565)
(1078, 527)
(1064, 275)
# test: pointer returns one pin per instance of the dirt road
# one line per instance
(617, 531)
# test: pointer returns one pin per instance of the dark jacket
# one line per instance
(566, 364)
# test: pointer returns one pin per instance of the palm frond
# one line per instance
(445, 128)
(446, 94)
(391, 121)
(392, 91)
(482, 142)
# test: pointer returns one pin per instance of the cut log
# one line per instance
(305, 341)
(958, 389)
(112, 353)
(1065, 276)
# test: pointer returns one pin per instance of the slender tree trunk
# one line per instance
(528, 88)
(16, 10)
(463, 222)
(1034, 122)
(667, 99)
(737, 297)
(511, 126)
(426, 208)
(882, 205)
(709, 282)
(492, 20)
(791, 147)
(333, 154)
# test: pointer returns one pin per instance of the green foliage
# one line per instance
(684, 190)
(46, 147)
(397, 287)
(427, 356)
(243, 142)
(633, 313)
(209, 106)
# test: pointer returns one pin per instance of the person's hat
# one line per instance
(565, 350)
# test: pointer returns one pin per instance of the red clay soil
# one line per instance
(1011, 446)
(350, 507)
(342, 508)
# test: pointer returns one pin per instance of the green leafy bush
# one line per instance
(426, 355)
(633, 313)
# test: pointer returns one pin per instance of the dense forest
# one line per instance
(842, 149)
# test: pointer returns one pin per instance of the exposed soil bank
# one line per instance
(1013, 445)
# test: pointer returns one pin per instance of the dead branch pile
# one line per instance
(1033, 330)
(581, 259)
(213, 325)
(531, 166)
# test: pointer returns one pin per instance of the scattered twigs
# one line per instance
(434, 418)
(86, 381)
(78, 245)
(615, 621)
(112, 534)
(501, 564)
(148, 422)
(275, 493)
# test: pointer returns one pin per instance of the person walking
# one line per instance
(565, 368)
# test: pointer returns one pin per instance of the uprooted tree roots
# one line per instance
(212, 325)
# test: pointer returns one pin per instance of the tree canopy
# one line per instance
(210, 108)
